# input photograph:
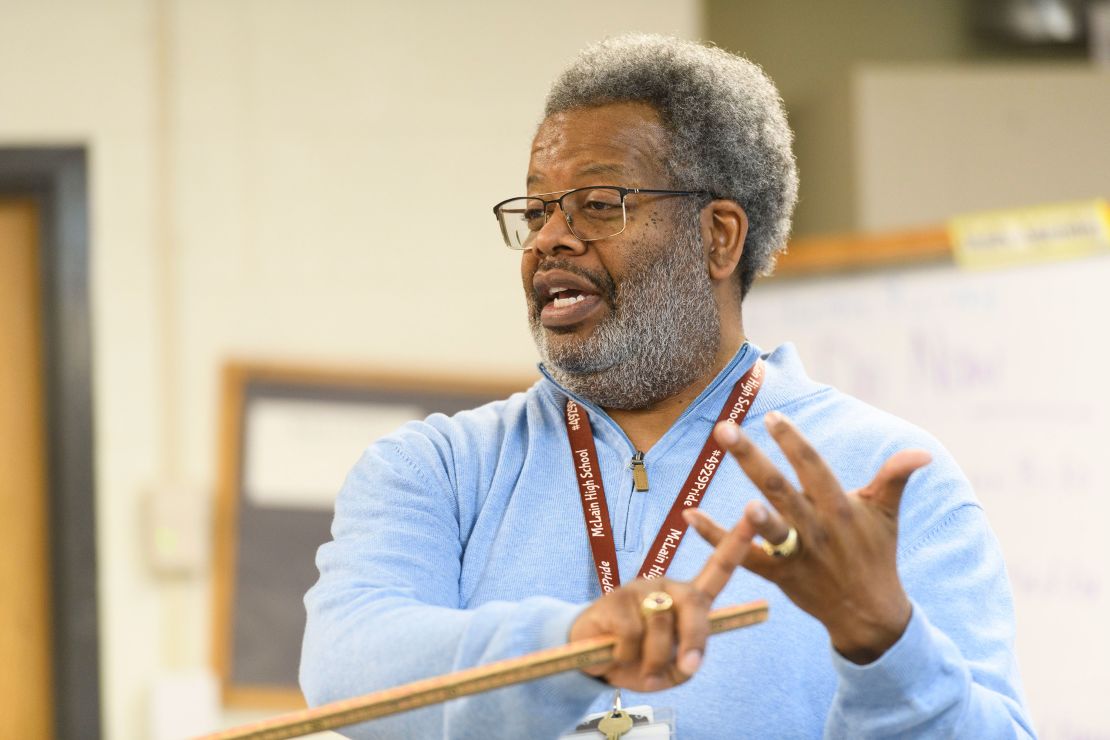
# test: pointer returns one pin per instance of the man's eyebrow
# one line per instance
(601, 168)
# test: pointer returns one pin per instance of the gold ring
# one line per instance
(784, 549)
(656, 602)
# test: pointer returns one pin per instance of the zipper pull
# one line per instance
(639, 472)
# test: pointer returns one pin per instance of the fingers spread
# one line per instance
(712, 532)
(732, 548)
(768, 524)
(888, 484)
(819, 484)
(759, 468)
(773, 528)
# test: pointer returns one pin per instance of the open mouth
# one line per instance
(565, 298)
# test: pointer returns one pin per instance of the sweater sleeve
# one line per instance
(953, 671)
(386, 610)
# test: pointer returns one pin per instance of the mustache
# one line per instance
(601, 281)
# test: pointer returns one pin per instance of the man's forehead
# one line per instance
(616, 139)
(592, 169)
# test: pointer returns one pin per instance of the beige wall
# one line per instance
(286, 179)
(935, 141)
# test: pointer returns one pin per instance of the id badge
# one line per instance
(648, 723)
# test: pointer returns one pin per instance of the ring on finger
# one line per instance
(784, 549)
(656, 602)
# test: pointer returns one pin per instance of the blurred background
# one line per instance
(310, 183)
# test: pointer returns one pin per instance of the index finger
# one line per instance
(761, 471)
(731, 547)
(819, 483)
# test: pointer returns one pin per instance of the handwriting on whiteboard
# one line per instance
(1010, 370)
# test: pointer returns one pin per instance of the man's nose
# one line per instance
(556, 236)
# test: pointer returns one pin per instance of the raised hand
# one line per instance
(843, 571)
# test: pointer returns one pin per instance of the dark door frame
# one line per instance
(57, 178)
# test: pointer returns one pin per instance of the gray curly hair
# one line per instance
(725, 120)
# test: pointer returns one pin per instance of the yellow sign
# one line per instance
(1027, 235)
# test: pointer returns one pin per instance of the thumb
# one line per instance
(887, 486)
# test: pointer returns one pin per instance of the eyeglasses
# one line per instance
(591, 213)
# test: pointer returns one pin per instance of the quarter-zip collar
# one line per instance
(706, 405)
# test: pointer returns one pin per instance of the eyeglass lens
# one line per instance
(591, 213)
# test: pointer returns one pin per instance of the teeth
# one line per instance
(553, 291)
(563, 302)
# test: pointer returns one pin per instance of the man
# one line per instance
(660, 184)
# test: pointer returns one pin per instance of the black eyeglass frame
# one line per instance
(547, 210)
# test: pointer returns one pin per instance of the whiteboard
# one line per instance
(1010, 369)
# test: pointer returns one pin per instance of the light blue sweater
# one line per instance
(459, 541)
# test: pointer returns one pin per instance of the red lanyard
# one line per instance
(592, 490)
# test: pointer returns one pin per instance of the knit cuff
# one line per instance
(907, 672)
(555, 631)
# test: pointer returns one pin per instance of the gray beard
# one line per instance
(662, 333)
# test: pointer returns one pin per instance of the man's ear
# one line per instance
(724, 227)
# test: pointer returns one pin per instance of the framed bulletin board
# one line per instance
(288, 436)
